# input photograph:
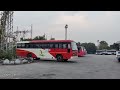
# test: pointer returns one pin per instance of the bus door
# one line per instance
(68, 50)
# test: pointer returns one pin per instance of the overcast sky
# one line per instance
(83, 26)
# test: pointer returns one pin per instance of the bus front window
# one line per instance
(74, 46)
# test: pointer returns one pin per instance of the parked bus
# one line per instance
(81, 51)
(111, 52)
(99, 52)
(106, 52)
(62, 50)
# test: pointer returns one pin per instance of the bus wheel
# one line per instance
(29, 55)
(59, 58)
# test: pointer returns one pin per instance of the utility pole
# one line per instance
(51, 36)
(6, 23)
(24, 32)
(98, 44)
(31, 31)
(66, 26)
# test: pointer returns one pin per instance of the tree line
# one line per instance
(91, 47)
(37, 38)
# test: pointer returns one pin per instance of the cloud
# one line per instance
(83, 26)
(74, 21)
(34, 17)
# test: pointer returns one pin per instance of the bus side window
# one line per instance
(27, 45)
(60, 45)
(56, 45)
(64, 45)
(40, 45)
(48, 46)
(36, 45)
(19, 45)
(31, 45)
(23, 45)
(44, 46)
(68, 46)
(52, 45)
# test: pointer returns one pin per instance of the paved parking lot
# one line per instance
(88, 67)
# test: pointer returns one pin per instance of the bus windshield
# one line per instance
(74, 46)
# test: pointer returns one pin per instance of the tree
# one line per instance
(90, 47)
(28, 39)
(52, 39)
(21, 39)
(114, 46)
(35, 38)
(103, 45)
(40, 38)
(84, 44)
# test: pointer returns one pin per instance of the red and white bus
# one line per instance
(62, 50)
(81, 51)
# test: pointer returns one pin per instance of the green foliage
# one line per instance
(5, 55)
(36, 38)
(52, 39)
(103, 45)
(114, 46)
(90, 47)
(40, 38)
(8, 55)
(21, 39)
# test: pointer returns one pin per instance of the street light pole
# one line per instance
(31, 30)
(66, 26)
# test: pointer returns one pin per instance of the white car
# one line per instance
(118, 55)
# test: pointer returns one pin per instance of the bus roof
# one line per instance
(111, 50)
(43, 41)
(23, 42)
(35, 41)
(99, 50)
